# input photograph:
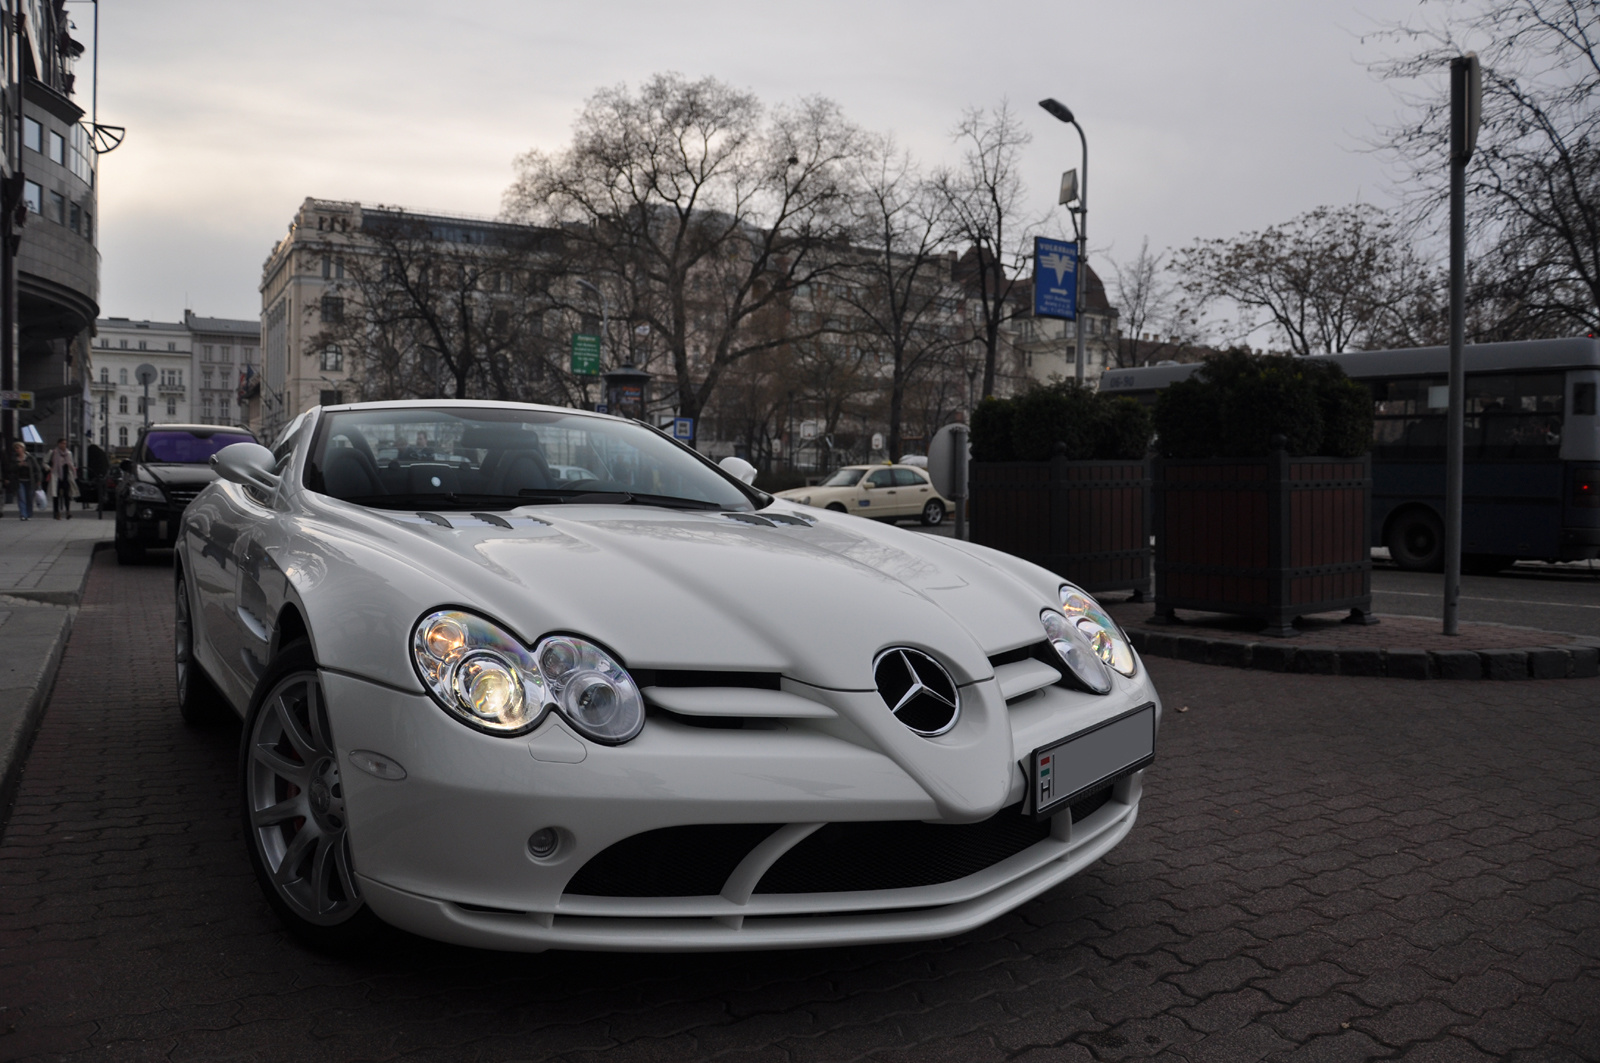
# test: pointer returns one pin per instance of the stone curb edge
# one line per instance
(14, 752)
(1575, 661)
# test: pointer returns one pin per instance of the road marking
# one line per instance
(1497, 601)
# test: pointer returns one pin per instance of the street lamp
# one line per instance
(1080, 222)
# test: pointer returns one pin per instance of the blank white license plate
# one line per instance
(1066, 770)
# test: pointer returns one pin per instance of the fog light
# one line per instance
(543, 842)
(146, 513)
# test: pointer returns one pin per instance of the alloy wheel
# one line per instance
(295, 802)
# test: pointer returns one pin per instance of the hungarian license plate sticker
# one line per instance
(1066, 770)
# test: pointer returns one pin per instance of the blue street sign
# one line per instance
(601, 407)
(683, 428)
(1055, 278)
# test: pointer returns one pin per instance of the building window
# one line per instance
(338, 269)
(205, 352)
(172, 406)
(122, 436)
(105, 408)
(122, 374)
(122, 404)
(105, 375)
(124, 345)
(88, 227)
(332, 309)
(33, 195)
(58, 148)
(206, 378)
(227, 354)
(327, 267)
(32, 135)
(332, 360)
(58, 208)
(205, 409)
(144, 405)
(249, 356)
(75, 216)
(222, 407)
(331, 398)
(141, 345)
(172, 345)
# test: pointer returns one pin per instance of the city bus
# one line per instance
(1531, 476)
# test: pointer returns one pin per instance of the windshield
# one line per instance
(484, 458)
(182, 447)
(843, 478)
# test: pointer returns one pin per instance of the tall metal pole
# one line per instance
(1083, 253)
(1465, 97)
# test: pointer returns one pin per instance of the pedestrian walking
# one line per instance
(23, 472)
(63, 486)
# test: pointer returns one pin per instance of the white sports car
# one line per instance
(501, 709)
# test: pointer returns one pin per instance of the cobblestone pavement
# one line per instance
(1325, 868)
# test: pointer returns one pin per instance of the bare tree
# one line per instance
(1321, 281)
(986, 200)
(1534, 183)
(1147, 305)
(698, 212)
(898, 285)
(436, 307)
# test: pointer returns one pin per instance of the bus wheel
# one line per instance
(1416, 541)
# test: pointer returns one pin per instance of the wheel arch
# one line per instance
(290, 628)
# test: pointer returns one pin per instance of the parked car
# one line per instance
(495, 709)
(885, 492)
(170, 465)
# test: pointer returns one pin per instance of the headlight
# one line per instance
(146, 492)
(592, 691)
(485, 677)
(479, 673)
(1073, 645)
(1110, 642)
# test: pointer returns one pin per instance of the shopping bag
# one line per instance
(39, 500)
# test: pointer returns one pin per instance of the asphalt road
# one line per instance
(1550, 597)
(1324, 868)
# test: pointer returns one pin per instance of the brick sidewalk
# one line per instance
(1325, 868)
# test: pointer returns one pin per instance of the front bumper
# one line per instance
(148, 523)
(444, 852)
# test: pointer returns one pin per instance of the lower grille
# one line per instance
(846, 857)
(692, 861)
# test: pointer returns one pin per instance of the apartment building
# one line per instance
(226, 364)
(120, 347)
(1048, 347)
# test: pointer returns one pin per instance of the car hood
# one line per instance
(176, 475)
(815, 599)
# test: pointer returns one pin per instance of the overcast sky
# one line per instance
(1204, 119)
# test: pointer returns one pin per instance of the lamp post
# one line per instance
(1080, 222)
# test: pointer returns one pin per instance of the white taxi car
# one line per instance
(884, 492)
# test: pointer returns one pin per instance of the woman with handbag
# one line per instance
(21, 470)
(63, 485)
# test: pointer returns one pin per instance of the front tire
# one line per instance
(1416, 541)
(933, 513)
(293, 807)
(837, 507)
(199, 703)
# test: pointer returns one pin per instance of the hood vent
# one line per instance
(770, 520)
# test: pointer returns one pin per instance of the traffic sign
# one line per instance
(145, 374)
(1055, 278)
(877, 441)
(683, 428)
(602, 407)
(585, 354)
(16, 400)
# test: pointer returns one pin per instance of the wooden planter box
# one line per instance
(1274, 538)
(1084, 520)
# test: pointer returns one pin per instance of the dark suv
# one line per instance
(171, 464)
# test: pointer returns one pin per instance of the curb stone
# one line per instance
(1575, 661)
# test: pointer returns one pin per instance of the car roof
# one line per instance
(196, 428)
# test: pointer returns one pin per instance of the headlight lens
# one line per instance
(478, 672)
(485, 677)
(591, 690)
(146, 492)
(1073, 646)
(1107, 637)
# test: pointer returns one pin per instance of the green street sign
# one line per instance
(585, 354)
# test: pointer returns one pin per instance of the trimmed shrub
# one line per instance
(991, 430)
(1237, 403)
(1086, 424)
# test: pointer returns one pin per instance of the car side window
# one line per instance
(881, 478)
(909, 478)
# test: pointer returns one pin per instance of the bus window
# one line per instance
(1508, 415)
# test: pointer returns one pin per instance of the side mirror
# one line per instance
(867, 485)
(739, 469)
(125, 465)
(249, 464)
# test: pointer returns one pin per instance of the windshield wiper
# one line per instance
(435, 500)
(585, 496)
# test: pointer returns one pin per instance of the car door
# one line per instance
(878, 497)
(914, 490)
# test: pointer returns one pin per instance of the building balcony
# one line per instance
(169, 389)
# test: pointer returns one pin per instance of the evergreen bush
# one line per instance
(1030, 427)
(1237, 402)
